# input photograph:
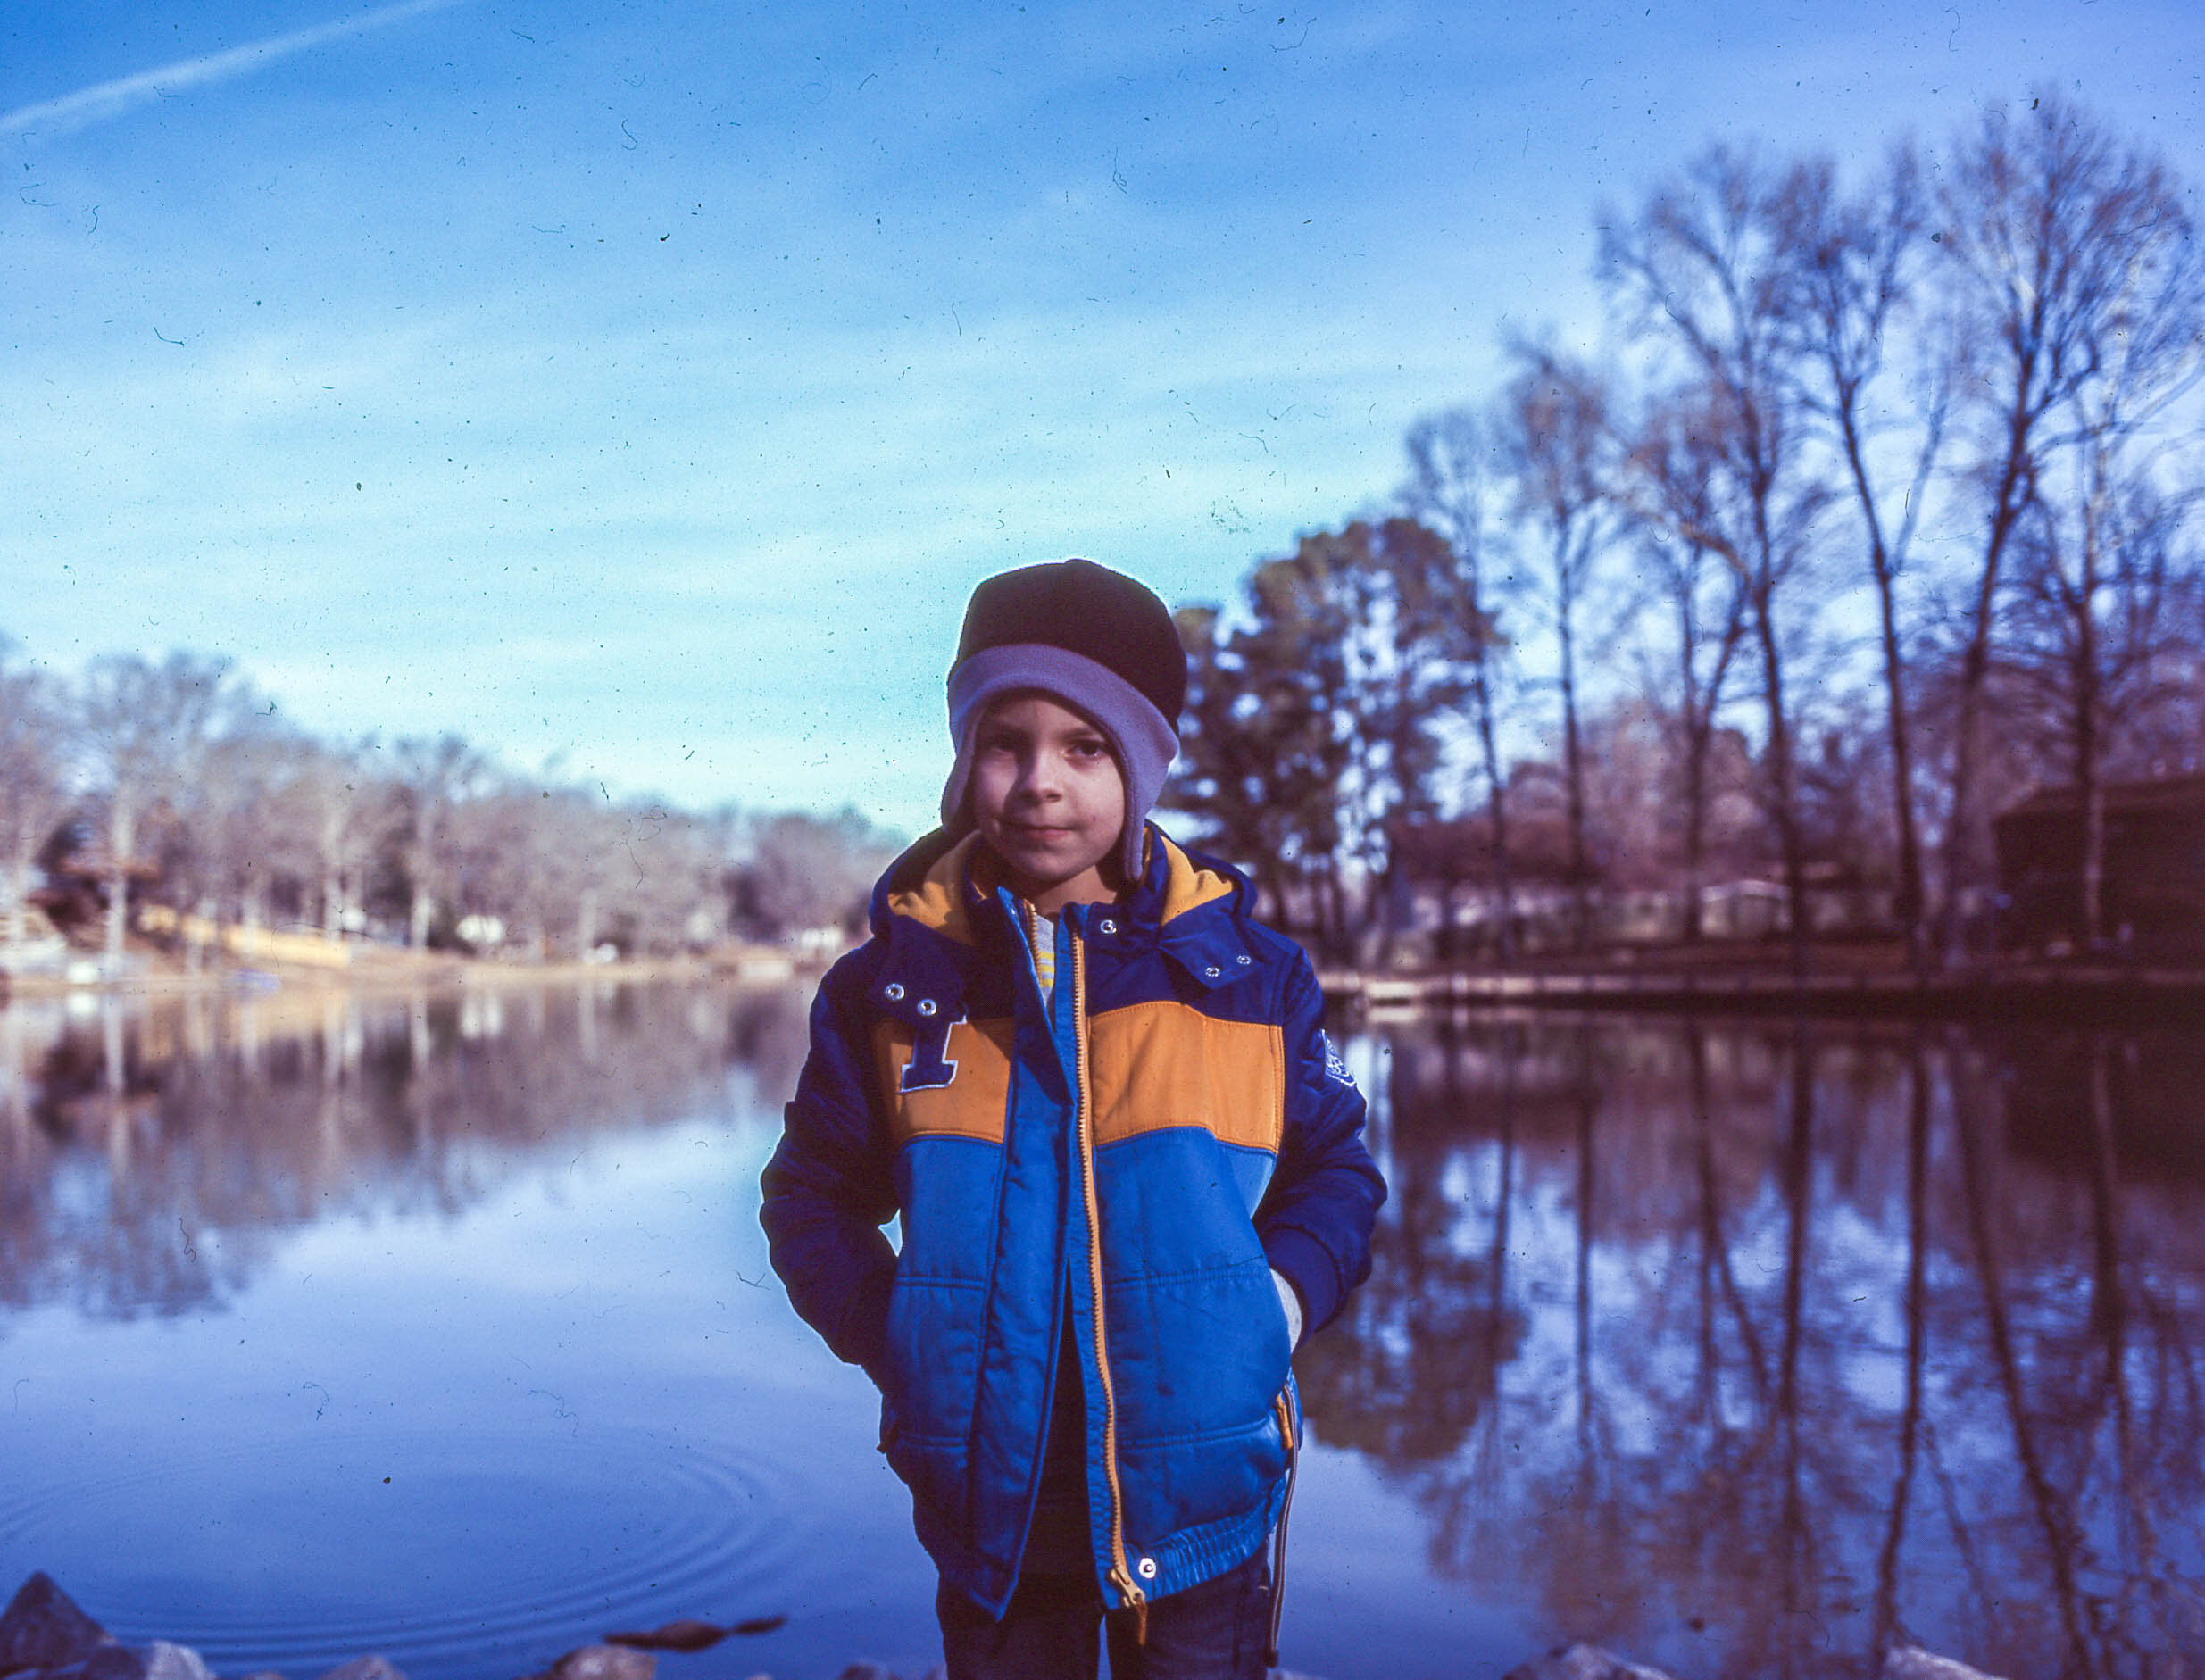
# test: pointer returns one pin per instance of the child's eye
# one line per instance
(1089, 749)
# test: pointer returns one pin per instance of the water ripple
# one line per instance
(454, 1553)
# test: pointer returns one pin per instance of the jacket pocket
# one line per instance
(932, 1355)
(937, 1469)
(1214, 1342)
(1173, 1485)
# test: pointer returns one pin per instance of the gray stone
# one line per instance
(166, 1661)
(606, 1662)
(1583, 1662)
(158, 1660)
(43, 1628)
(1911, 1662)
(371, 1667)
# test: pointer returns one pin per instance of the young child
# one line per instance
(1129, 1169)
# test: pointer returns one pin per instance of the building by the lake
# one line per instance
(2154, 886)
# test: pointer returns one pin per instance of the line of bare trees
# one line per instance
(173, 782)
(1877, 511)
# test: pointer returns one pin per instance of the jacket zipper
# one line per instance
(1278, 1535)
(1120, 1575)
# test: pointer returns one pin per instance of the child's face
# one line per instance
(1047, 794)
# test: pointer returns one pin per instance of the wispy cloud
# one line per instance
(109, 99)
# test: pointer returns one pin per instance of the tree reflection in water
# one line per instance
(1752, 1349)
(151, 1159)
(1757, 1349)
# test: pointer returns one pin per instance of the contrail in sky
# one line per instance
(89, 106)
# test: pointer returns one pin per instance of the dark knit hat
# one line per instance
(1091, 636)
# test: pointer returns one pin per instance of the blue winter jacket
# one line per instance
(1140, 1154)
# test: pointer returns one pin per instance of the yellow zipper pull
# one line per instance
(1133, 1600)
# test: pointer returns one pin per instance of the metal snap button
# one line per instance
(926, 1006)
(1245, 959)
(1213, 970)
(893, 991)
(1146, 1569)
(1108, 926)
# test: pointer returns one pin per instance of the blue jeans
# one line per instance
(1054, 1630)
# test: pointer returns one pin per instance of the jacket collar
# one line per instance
(940, 915)
(1196, 907)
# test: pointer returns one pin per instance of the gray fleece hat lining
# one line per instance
(1141, 737)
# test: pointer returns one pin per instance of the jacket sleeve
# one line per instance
(829, 1188)
(1314, 1220)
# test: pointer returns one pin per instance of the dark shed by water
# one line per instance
(2154, 885)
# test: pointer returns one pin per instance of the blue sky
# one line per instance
(647, 385)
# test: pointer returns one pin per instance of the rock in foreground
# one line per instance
(371, 1667)
(43, 1628)
(44, 1635)
(604, 1663)
(159, 1660)
(1911, 1662)
(1584, 1663)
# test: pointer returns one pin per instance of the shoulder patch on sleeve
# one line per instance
(1335, 1070)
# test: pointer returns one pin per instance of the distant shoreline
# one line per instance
(2092, 992)
(160, 976)
(1659, 983)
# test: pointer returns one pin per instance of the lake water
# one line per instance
(441, 1326)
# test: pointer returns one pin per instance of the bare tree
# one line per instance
(228, 831)
(682, 858)
(1853, 262)
(247, 785)
(1700, 268)
(435, 779)
(2070, 260)
(344, 804)
(520, 866)
(1556, 444)
(569, 865)
(2105, 607)
(146, 726)
(636, 874)
(1670, 471)
(805, 872)
(34, 786)
(1451, 488)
